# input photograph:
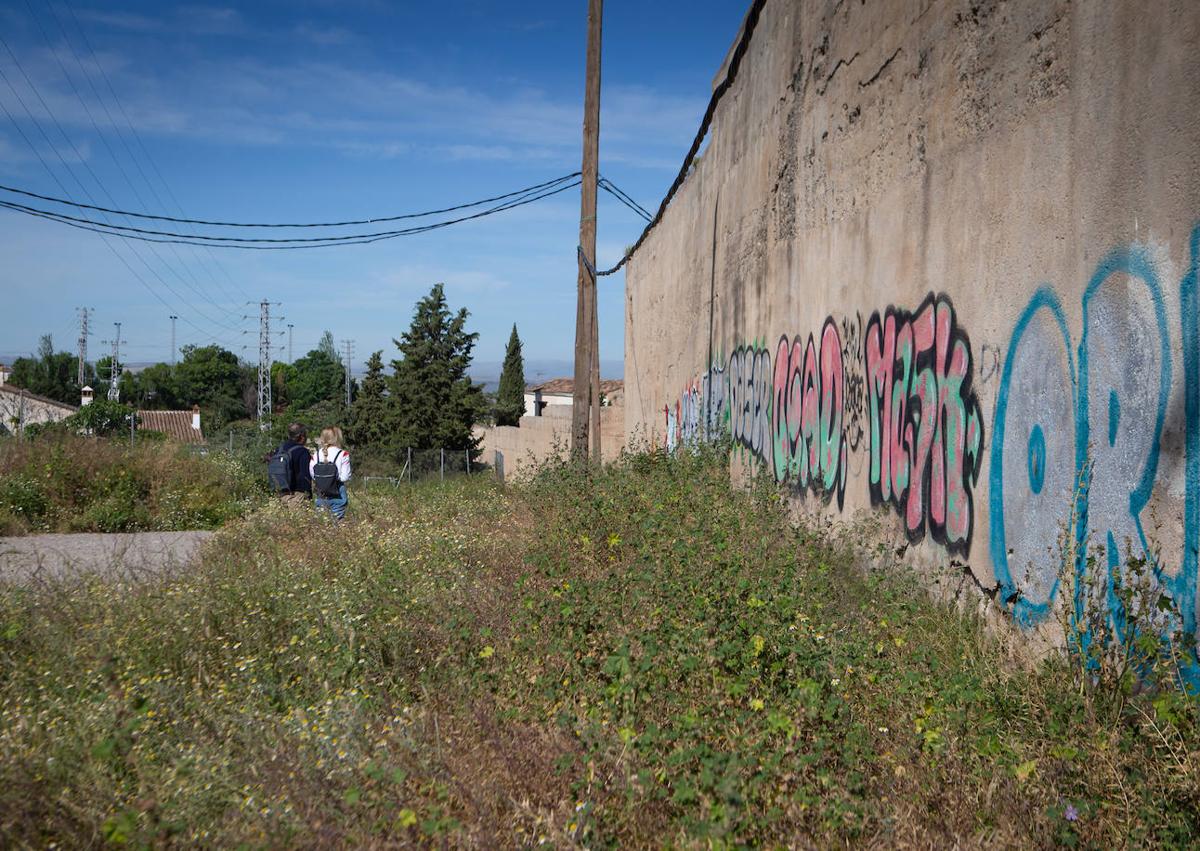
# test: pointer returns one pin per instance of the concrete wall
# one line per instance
(947, 252)
(540, 438)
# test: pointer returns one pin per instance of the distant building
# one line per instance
(5, 372)
(179, 426)
(558, 396)
(20, 408)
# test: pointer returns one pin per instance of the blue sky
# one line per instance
(314, 110)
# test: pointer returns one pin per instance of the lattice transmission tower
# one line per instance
(348, 348)
(84, 317)
(114, 367)
(264, 363)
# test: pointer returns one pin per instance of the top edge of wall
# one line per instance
(723, 68)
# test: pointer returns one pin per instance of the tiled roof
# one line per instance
(176, 425)
(17, 391)
(566, 386)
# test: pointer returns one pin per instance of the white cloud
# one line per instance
(323, 36)
(361, 112)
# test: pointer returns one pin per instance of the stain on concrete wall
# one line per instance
(955, 286)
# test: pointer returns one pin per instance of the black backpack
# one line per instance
(326, 480)
(279, 470)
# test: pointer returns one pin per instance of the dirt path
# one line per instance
(135, 555)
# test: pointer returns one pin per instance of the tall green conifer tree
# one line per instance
(435, 402)
(371, 425)
(510, 399)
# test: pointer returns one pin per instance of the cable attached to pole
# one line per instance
(735, 64)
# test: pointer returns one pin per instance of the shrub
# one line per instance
(23, 500)
(71, 483)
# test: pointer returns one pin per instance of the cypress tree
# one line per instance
(370, 415)
(435, 402)
(510, 399)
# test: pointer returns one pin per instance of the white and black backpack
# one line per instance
(326, 480)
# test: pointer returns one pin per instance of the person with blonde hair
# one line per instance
(330, 470)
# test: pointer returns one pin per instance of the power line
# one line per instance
(29, 142)
(33, 119)
(275, 244)
(374, 220)
(735, 64)
(612, 189)
(212, 259)
(197, 288)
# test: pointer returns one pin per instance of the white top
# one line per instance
(333, 453)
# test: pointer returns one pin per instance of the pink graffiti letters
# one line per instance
(808, 440)
(926, 428)
(913, 386)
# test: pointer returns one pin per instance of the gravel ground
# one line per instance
(134, 555)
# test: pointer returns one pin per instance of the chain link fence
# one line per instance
(252, 449)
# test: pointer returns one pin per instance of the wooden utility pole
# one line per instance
(587, 360)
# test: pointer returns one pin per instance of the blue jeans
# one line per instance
(336, 505)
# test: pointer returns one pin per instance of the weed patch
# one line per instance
(71, 484)
(635, 656)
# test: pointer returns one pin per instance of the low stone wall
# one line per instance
(538, 439)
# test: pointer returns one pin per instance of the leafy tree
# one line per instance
(211, 377)
(436, 404)
(101, 418)
(510, 399)
(371, 415)
(316, 377)
(326, 346)
(51, 374)
(155, 387)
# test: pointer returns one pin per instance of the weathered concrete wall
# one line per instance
(947, 253)
(539, 439)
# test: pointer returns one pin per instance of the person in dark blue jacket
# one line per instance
(299, 457)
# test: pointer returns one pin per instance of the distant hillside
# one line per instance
(536, 371)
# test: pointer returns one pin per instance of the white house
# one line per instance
(20, 408)
(557, 396)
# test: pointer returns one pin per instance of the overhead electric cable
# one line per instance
(67, 169)
(612, 190)
(207, 255)
(735, 64)
(375, 220)
(195, 287)
(286, 244)
(621, 193)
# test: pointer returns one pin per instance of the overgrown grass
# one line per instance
(641, 657)
(74, 484)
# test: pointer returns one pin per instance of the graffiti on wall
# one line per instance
(925, 425)
(701, 413)
(750, 387)
(899, 387)
(1078, 438)
(808, 438)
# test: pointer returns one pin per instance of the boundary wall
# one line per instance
(538, 439)
(938, 265)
